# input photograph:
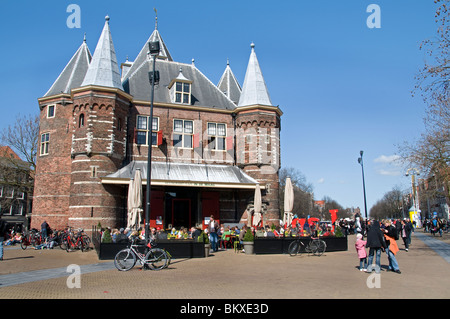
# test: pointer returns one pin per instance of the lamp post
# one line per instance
(153, 77)
(360, 161)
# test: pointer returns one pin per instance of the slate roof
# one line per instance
(104, 69)
(204, 92)
(74, 72)
(229, 85)
(254, 90)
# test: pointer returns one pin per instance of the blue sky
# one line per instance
(342, 86)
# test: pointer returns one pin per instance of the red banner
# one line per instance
(333, 213)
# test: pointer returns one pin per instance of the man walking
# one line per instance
(213, 228)
(44, 227)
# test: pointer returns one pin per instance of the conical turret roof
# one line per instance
(254, 90)
(104, 69)
(74, 72)
(229, 85)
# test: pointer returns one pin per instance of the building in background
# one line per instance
(211, 144)
(16, 189)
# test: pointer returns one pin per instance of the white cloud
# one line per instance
(321, 180)
(391, 159)
(388, 165)
(389, 172)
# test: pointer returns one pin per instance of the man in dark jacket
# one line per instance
(375, 242)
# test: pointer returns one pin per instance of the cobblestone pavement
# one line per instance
(42, 274)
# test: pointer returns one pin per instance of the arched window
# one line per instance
(81, 120)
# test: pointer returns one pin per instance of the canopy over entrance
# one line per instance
(185, 175)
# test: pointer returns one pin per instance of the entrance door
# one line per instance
(181, 213)
(210, 206)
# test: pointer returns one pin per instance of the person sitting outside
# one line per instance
(114, 234)
(226, 237)
(121, 237)
(15, 239)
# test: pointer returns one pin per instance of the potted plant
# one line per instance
(203, 237)
(248, 241)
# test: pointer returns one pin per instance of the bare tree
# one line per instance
(431, 152)
(22, 137)
(390, 206)
(303, 196)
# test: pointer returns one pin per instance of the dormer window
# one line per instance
(180, 89)
(182, 93)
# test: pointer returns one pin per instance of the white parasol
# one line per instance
(135, 201)
(288, 202)
(257, 202)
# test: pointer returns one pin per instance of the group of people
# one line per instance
(382, 237)
(436, 225)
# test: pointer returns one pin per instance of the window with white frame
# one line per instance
(50, 111)
(142, 130)
(183, 92)
(183, 131)
(45, 140)
(217, 134)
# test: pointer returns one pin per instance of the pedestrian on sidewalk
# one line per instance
(406, 232)
(375, 242)
(360, 246)
(391, 245)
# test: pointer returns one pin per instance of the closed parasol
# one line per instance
(257, 206)
(135, 201)
(288, 202)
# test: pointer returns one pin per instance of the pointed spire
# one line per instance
(229, 85)
(74, 72)
(143, 55)
(254, 90)
(104, 69)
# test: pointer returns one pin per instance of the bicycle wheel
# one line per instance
(23, 244)
(169, 258)
(318, 247)
(125, 259)
(69, 245)
(82, 245)
(294, 248)
(63, 244)
(87, 241)
(156, 259)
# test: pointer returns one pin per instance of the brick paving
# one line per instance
(228, 275)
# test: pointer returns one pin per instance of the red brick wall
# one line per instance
(53, 172)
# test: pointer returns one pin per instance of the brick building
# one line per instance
(211, 144)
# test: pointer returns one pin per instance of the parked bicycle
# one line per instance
(30, 238)
(315, 246)
(154, 259)
(76, 241)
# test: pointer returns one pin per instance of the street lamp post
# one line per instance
(360, 161)
(154, 51)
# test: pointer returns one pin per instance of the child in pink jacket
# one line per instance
(360, 246)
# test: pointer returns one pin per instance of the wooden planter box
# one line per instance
(178, 248)
(280, 245)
